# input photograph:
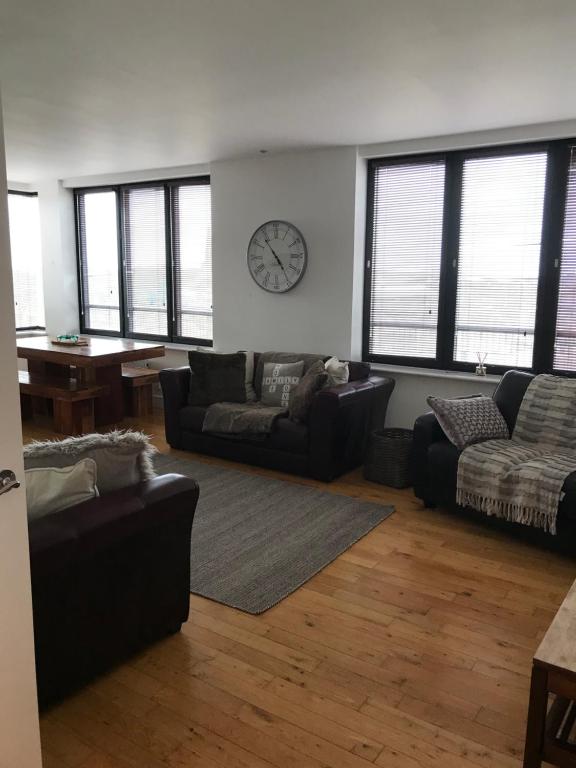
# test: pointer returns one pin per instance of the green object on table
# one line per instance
(67, 337)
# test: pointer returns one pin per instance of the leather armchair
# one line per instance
(109, 576)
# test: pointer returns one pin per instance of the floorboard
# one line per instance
(411, 650)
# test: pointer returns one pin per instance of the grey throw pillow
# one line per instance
(303, 393)
(278, 381)
(217, 378)
(469, 420)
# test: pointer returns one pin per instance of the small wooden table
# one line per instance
(549, 729)
(98, 363)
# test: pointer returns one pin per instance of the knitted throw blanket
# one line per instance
(521, 479)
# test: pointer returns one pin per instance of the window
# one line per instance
(99, 260)
(145, 260)
(406, 253)
(24, 221)
(192, 238)
(565, 341)
(463, 252)
(499, 258)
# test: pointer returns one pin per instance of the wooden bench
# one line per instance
(73, 402)
(550, 733)
(138, 385)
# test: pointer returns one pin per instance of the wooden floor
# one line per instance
(412, 650)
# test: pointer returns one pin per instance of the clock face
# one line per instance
(277, 256)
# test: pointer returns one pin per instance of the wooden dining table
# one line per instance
(99, 362)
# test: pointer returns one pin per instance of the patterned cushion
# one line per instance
(469, 420)
(278, 381)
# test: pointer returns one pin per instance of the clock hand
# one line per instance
(276, 257)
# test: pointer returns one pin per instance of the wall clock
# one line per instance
(277, 256)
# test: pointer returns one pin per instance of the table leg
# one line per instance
(110, 408)
(536, 723)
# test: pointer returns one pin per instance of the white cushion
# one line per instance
(50, 489)
(338, 372)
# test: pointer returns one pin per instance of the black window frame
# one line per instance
(168, 185)
(555, 191)
(21, 328)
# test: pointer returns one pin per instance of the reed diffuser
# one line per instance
(481, 368)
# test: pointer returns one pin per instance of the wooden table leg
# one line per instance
(109, 409)
(536, 723)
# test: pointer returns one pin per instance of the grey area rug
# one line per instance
(255, 540)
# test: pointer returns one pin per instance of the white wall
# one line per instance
(316, 191)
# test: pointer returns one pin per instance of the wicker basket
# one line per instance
(388, 457)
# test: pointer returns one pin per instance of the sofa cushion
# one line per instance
(123, 457)
(288, 436)
(281, 357)
(358, 370)
(303, 393)
(338, 371)
(278, 381)
(470, 420)
(50, 489)
(192, 417)
(217, 378)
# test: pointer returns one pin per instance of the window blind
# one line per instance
(24, 224)
(144, 215)
(405, 259)
(98, 245)
(499, 258)
(192, 253)
(565, 341)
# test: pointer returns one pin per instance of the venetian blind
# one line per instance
(144, 216)
(192, 254)
(565, 341)
(98, 245)
(499, 258)
(405, 259)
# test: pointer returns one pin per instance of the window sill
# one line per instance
(433, 373)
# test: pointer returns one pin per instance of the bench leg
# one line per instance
(26, 411)
(74, 418)
(536, 723)
(138, 400)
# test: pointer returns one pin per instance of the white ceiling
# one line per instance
(97, 86)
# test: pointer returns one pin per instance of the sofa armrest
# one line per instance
(427, 431)
(107, 520)
(340, 421)
(175, 383)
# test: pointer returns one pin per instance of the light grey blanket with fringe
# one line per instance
(521, 479)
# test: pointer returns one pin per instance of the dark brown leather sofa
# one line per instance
(435, 469)
(109, 576)
(331, 443)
